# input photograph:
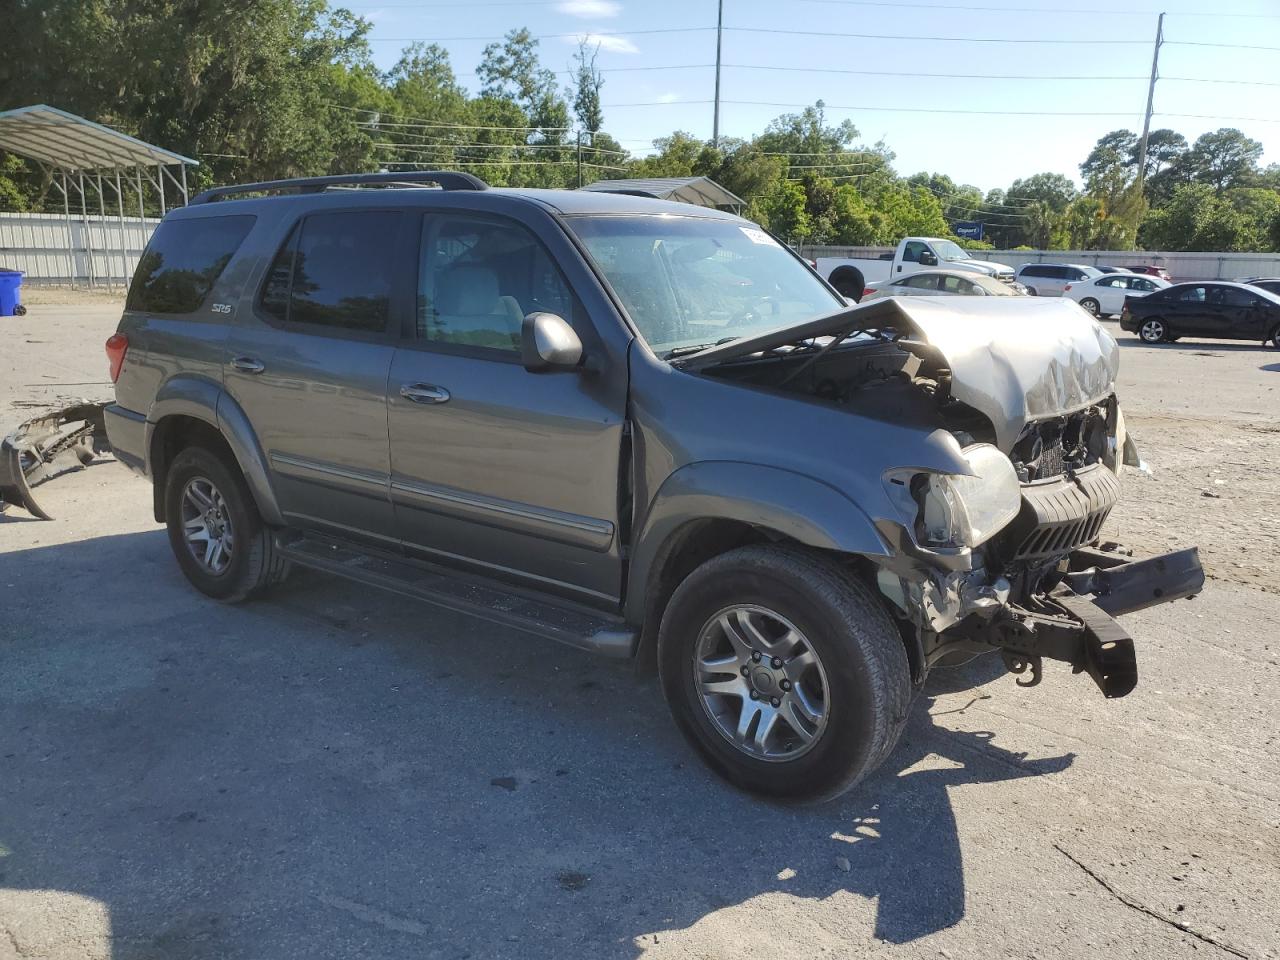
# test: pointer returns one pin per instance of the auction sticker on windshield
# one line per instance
(758, 236)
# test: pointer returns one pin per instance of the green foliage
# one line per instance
(288, 87)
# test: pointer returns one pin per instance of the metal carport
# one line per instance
(702, 191)
(81, 156)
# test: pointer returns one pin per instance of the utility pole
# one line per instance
(579, 159)
(715, 125)
(1151, 96)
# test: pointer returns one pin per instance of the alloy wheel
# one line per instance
(206, 526)
(1152, 331)
(761, 683)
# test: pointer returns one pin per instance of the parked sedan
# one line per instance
(1104, 296)
(1150, 271)
(1270, 284)
(1220, 309)
(941, 283)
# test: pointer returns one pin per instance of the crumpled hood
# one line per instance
(1014, 359)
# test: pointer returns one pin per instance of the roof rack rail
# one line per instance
(445, 179)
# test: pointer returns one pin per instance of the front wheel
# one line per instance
(1153, 331)
(784, 671)
(1274, 336)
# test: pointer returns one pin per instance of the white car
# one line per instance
(941, 283)
(1104, 296)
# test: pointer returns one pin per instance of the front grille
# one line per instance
(1060, 514)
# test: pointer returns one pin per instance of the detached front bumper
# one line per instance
(1074, 621)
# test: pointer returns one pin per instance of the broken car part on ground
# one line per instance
(46, 446)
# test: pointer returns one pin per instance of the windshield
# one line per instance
(692, 281)
(995, 288)
(948, 250)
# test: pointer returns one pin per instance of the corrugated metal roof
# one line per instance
(700, 190)
(64, 140)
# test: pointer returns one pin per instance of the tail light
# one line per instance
(867, 291)
(1066, 288)
(117, 347)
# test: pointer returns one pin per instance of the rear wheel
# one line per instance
(1274, 336)
(1153, 330)
(784, 671)
(1031, 292)
(214, 528)
(1092, 306)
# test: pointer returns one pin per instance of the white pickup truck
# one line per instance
(851, 275)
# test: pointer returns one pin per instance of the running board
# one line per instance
(565, 622)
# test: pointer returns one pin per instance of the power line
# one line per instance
(966, 8)
(1220, 46)
(880, 109)
(546, 36)
(421, 122)
(501, 163)
(918, 37)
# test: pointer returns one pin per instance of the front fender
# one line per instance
(206, 400)
(790, 504)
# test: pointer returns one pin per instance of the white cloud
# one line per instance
(610, 42)
(590, 8)
(668, 98)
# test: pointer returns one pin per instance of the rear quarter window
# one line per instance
(183, 261)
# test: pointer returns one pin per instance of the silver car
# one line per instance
(642, 428)
(942, 283)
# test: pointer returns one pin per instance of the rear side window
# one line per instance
(956, 285)
(335, 270)
(183, 261)
(927, 281)
(1035, 270)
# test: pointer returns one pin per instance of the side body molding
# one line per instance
(206, 400)
(791, 504)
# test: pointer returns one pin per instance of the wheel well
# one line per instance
(173, 435)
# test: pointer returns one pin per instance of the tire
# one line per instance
(848, 282)
(19, 311)
(1031, 292)
(249, 562)
(1273, 337)
(1153, 330)
(1092, 306)
(848, 668)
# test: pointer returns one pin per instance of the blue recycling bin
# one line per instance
(10, 300)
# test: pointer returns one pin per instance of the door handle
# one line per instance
(424, 393)
(248, 365)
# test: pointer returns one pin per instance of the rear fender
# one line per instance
(207, 401)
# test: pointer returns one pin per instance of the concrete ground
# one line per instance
(339, 773)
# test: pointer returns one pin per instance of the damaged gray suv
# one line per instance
(642, 428)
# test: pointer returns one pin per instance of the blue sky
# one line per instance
(657, 82)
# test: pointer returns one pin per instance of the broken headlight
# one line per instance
(953, 510)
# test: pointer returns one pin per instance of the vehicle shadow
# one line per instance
(1196, 346)
(334, 772)
(1271, 367)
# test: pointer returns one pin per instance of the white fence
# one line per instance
(1206, 265)
(92, 250)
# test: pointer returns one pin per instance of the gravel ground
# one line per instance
(338, 773)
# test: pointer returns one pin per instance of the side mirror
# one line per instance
(548, 343)
(928, 259)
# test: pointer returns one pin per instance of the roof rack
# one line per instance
(444, 179)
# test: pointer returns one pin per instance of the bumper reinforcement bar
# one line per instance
(1075, 622)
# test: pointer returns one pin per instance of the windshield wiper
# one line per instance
(696, 348)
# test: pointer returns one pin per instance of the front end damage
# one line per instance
(48, 446)
(1001, 548)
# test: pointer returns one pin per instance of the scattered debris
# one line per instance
(47, 446)
(506, 783)
(843, 863)
(572, 880)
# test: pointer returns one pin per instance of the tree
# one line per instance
(1195, 219)
(1222, 158)
(511, 70)
(1115, 149)
(587, 84)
